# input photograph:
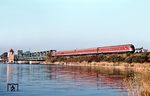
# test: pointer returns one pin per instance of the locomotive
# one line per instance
(128, 48)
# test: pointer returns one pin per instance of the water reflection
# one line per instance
(92, 76)
(9, 73)
(58, 80)
(135, 84)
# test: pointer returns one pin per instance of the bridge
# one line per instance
(32, 56)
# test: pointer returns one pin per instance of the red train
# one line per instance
(98, 50)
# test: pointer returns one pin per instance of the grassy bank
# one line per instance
(137, 62)
(126, 58)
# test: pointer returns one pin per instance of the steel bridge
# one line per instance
(34, 56)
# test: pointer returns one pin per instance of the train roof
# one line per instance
(96, 47)
(118, 45)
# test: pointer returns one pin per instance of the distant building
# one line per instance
(11, 56)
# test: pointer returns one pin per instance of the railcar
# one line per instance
(117, 49)
(86, 51)
(98, 50)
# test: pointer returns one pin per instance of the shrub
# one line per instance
(129, 58)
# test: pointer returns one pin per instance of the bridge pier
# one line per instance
(22, 62)
(35, 62)
(30, 62)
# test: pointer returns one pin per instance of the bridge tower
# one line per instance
(11, 56)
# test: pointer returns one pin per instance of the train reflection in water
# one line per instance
(56, 80)
(135, 84)
(91, 76)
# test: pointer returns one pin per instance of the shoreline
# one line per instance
(137, 67)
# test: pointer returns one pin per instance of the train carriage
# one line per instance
(117, 49)
(98, 50)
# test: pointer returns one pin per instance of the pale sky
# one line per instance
(38, 25)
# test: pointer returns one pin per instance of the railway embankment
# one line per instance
(137, 62)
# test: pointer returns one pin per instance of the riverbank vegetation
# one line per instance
(127, 58)
(136, 77)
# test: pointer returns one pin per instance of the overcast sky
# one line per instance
(38, 25)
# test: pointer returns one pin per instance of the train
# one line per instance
(127, 48)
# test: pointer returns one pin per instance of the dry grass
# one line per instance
(128, 58)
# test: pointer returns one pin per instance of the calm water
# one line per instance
(58, 80)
